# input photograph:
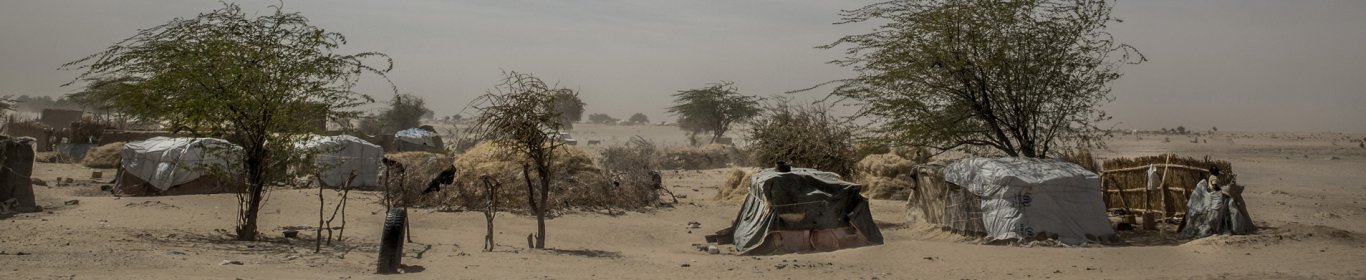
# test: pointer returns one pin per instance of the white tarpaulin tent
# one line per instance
(1022, 198)
(165, 162)
(339, 155)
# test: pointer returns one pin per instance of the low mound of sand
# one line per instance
(106, 156)
(1289, 233)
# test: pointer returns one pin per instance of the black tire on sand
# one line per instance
(391, 241)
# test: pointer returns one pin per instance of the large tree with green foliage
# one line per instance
(524, 115)
(1020, 77)
(602, 119)
(249, 79)
(713, 109)
(638, 118)
(405, 111)
(569, 107)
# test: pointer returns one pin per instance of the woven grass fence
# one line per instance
(1125, 181)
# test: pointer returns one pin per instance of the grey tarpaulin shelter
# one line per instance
(175, 166)
(1220, 211)
(1031, 199)
(417, 139)
(804, 210)
(337, 156)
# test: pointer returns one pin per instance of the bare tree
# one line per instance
(521, 114)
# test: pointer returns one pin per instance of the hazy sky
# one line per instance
(1235, 64)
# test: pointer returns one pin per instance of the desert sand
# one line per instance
(1305, 191)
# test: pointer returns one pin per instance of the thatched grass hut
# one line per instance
(578, 183)
(1126, 182)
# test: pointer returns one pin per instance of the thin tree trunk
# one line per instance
(490, 212)
(318, 234)
(341, 207)
(531, 197)
(342, 232)
(544, 171)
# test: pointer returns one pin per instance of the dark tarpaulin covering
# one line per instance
(812, 200)
(16, 168)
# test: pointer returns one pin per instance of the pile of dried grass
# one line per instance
(576, 182)
(736, 186)
(704, 157)
(419, 169)
(885, 176)
(106, 156)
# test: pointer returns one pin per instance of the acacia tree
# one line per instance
(569, 107)
(405, 111)
(1019, 77)
(522, 115)
(602, 119)
(713, 108)
(638, 118)
(98, 88)
(248, 79)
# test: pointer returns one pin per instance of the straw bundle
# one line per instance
(736, 186)
(106, 156)
(885, 176)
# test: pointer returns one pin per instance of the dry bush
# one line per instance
(736, 186)
(804, 136)
(577, 182)
(634, 170)
(419, 169)
(705, 157)
(106, 156)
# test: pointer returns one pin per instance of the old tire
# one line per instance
(391, 241)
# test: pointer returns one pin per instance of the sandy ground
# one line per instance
(1305, 190)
